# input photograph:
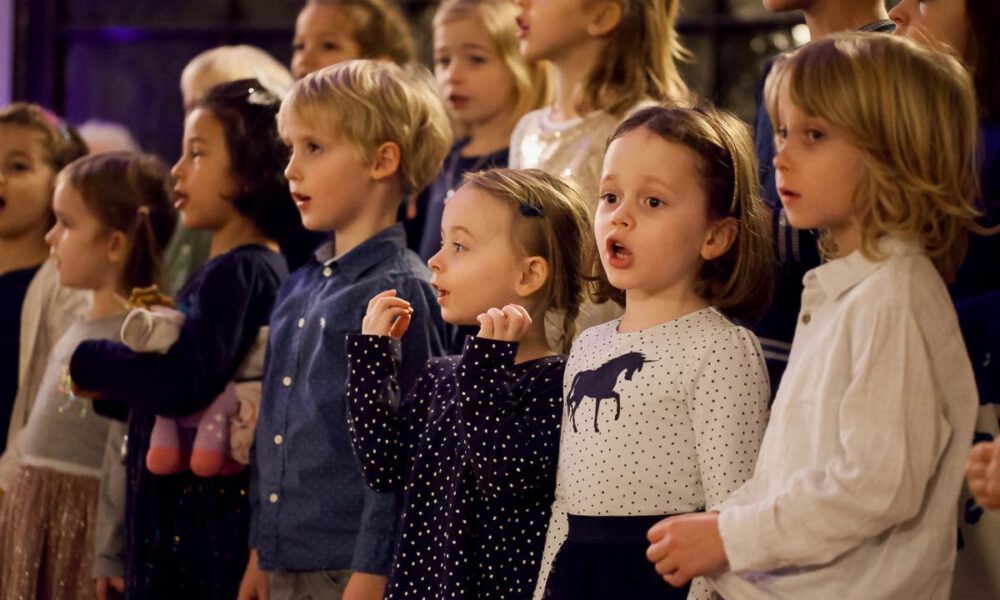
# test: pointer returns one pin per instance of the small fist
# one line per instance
(387, 315)
(508, 324)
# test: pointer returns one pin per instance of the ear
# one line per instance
(719, 238)
(605, 16)
(385, 161)
(117, 247)
(534, 274)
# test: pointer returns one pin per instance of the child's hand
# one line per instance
(983, 472)
(86, 393)
(387, 315)
(110, 588)
(686, 546)
(254, 585)
(365, 586)
(506, 325)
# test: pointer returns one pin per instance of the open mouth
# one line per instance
(442, 294)
(787, 195)
(300, 199)
(457, 101)
(618, 254)
(180, 199)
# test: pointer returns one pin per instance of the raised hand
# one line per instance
(508, 324)
(387, 315)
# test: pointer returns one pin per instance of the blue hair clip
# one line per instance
(530, 210)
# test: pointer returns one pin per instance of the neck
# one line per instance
(378, 215)
(644, 309)
(24, 251)
(238, 232)
(534, 344)
(569, 77)
(489, 136)
(831, 17)
(847, 239)
(106, 303)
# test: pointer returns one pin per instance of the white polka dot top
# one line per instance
(661, 421)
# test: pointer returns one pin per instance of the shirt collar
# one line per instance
(366, 254)
(881, 26)
(842, 274)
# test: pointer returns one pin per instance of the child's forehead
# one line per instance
(319, 18)
(16, 138)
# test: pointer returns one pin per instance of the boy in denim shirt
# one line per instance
(363, 134)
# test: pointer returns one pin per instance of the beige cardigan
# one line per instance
(48, 311)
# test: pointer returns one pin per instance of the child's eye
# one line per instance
(478, 60)
(781, 133)
(330, 46)
(313, 148)
(458, 247)
(442, 61)
(298, 47)
(814, 135)
(19, 167)
(609, 198)
(653, 202)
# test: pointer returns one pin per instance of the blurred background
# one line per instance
(121, 60)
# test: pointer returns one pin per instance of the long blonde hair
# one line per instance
(912, 114)
(498, 17)
(640, 59)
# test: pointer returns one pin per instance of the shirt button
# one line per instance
(287, 381)
(302, 323)
(322, 322)
(273, 498)
(327, 272)
(806, 317)
(278, 439)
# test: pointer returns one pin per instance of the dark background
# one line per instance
(121, 60)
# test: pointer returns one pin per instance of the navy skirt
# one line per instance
(604, 558)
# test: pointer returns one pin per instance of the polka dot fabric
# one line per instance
(693, 396)
(473, 448)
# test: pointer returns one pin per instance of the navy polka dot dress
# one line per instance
(473, 448)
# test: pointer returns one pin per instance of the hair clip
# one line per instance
(530, 210)
(57, 122)
(261, 96)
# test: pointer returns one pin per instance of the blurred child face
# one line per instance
(652, 220)
(476, 268)
(324, 36)
(87, 255)
(328, 179)
(942, 21)
(202, 175)
(817, 173)
(25, 183)
(474, 80)
(552, 29)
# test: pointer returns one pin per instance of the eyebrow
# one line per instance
(459, 228)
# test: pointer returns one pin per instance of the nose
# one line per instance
(780, 160)
(899, 17)
(303, 62)
(291, 169)
(50, 235)
(434, 262)
(621, 216)
(177, 171)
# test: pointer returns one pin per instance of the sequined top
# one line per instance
(63, 431)
(572, 149)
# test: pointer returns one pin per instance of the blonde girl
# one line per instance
(488, 86)
(472, 447)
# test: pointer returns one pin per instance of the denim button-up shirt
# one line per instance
(311, 509)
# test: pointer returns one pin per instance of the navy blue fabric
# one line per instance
(311, 508)
(13, 287)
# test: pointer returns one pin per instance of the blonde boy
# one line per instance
(362, 135)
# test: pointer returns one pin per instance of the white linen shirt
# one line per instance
(855, 491)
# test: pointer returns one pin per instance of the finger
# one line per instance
(499, 320)
(376, 297)
(485, 326)
(677, 579)
(525, 320)
(400, 325)
(666, 565)
(656, 552)
(512, 322)
(118, 583)
(386, 318)
(656, 532)
(384, 303)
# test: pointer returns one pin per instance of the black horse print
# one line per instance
(600, 384)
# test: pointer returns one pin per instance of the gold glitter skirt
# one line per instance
(46, 536)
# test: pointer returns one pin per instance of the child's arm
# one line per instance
(377, 420)
(424, 339)
(511, 436)
(197, 367)
(891, 436)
